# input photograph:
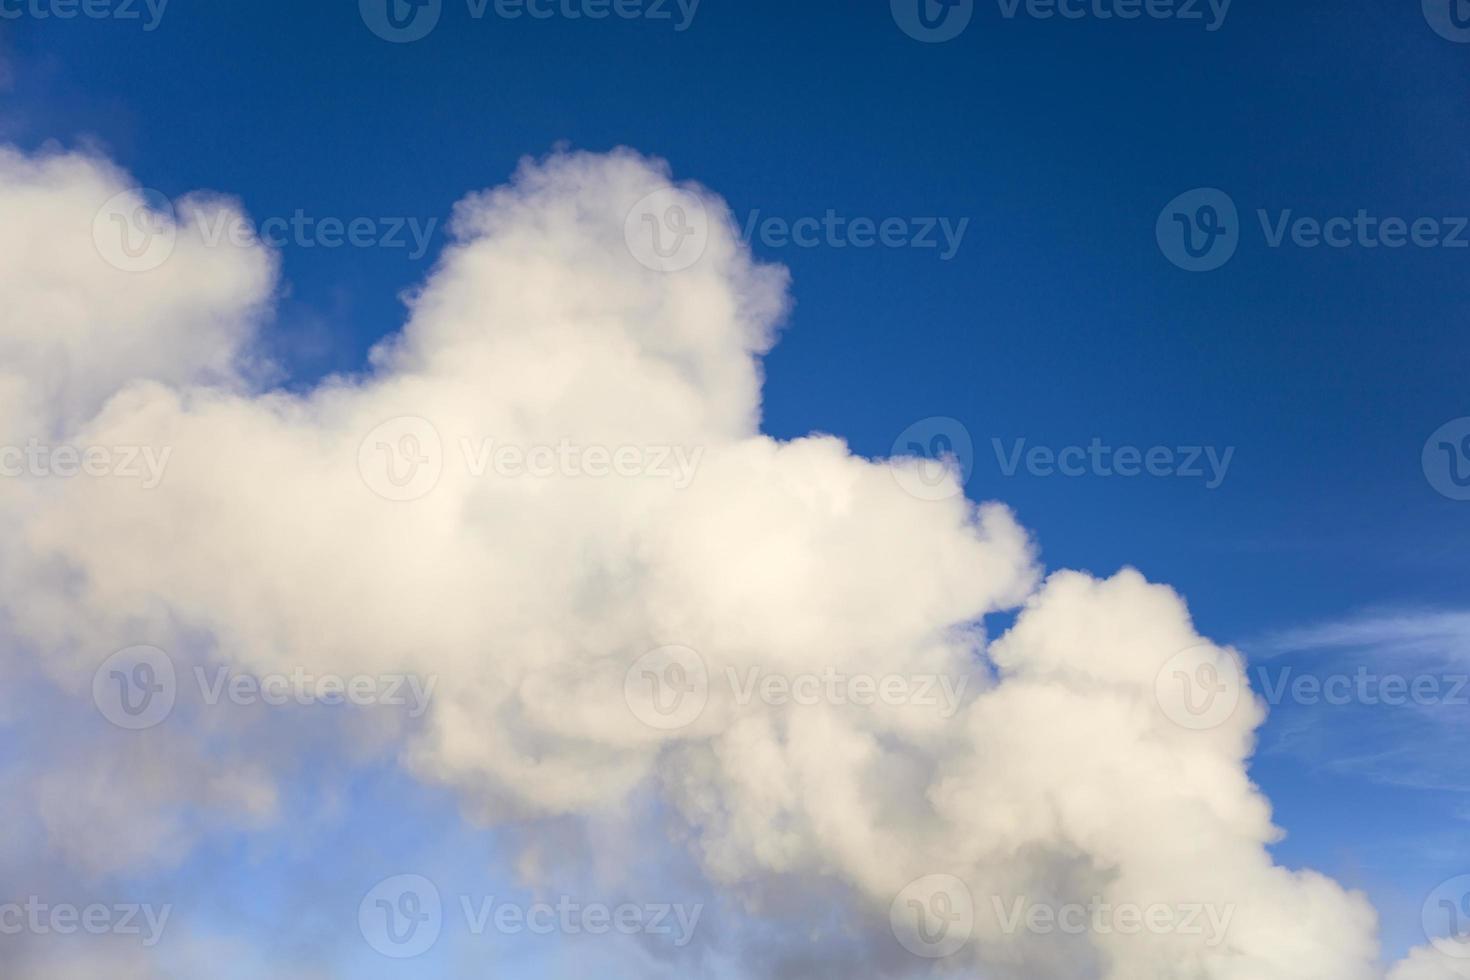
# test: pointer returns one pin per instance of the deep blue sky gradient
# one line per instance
(1058, 320)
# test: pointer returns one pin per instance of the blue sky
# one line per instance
(1057, 319)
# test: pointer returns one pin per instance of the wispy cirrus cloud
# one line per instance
(1389, 634)
(1381, 695)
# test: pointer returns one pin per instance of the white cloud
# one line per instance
(1428, 963)
(1060, 780)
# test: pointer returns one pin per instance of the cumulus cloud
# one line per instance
(1428, 963)
(444, 515)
